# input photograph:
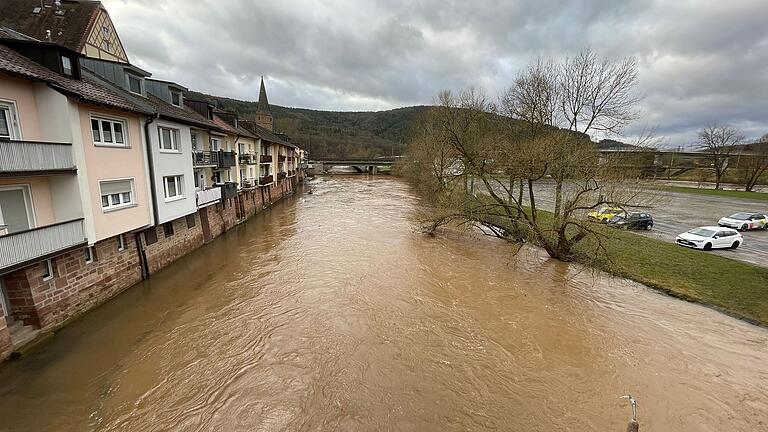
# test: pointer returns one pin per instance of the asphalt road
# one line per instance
(674, 213)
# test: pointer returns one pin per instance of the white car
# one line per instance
(745, 221)
(710, 237)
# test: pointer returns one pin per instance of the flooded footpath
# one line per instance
(331, 312)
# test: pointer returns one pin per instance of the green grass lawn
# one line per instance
(759, 196)
(737, 288)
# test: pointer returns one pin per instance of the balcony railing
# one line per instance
(247, 183)
(281, 158)
(35, 156)
(208, 196)
(226, 159)
(228, 190)
(266, 158)
(247, 158)
(281, 175)
(291, 173)
(265, 180)
(23, 246)
(205, 158)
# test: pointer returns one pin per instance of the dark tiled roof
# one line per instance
(89, 89)
(264, 133)
(263, 105)
(183, 115)
(228, 119)
(68, 29)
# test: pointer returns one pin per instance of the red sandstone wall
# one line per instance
(5, 340)
(168, 249)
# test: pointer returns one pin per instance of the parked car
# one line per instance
(710, 237)
(633, 221)
(745, 221)
(604, 214)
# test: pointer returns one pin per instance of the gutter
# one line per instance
(151, 166)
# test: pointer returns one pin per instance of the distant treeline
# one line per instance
(332, 134)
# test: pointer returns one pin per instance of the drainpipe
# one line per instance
(150, 162)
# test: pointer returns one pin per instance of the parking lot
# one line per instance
(676, 212)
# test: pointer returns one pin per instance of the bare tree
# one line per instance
(755, 163)
(535, 150)
(719, 143)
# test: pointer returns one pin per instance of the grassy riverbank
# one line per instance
(733, 287)
(758, 196)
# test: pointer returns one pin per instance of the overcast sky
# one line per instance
(700, 61)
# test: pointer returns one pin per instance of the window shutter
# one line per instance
(115, 187)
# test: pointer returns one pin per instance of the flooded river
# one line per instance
(329, 312)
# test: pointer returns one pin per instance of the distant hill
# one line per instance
(333, 134)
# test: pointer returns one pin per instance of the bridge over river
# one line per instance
(370, 165)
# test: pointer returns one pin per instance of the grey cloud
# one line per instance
(699, 62)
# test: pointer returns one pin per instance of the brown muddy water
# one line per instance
(329, 312)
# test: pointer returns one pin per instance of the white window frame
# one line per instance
(128, 77)
(14, 128)
(122, 205)
(179, 180)
(100, 118)
(175, 138)
(71, 66)
(26, 190)
(89, 254)
(218, 141)
(181, 96)
(120, 243)
(49, 266)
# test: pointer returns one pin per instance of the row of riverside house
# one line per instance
(108, 175)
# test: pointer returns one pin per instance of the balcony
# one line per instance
(281, 158)
(208, 197)
(20, 157)
(19, 248)
(228, 190)
(266, 159)
(205, 159)
(265, 180)
(281, 176)
(291, 173)
(247, 158)
(248, 184)
(226, 159)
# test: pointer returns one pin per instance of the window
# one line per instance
(134, 84)
(47, 266)
(176, 98)
(90, 255)
(116, 194)
(108, 132)
(191, 222)
(9, 127)
(106, 45)
(168, 229)
(120, 243)
(66, 66)
(105, 31)
(169, 139)
(174, 187)
(215, 144)
(150, 236)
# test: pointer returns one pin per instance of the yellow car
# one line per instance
(604, 214)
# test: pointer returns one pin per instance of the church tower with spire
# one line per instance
(263, 114)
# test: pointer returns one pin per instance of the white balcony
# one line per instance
(208, 197)
(19, 157)
(45, 241)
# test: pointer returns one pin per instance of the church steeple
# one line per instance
(263, 114)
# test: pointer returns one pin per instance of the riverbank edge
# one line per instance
(49, 333)
(726, 193)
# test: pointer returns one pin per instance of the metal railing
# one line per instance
(247, 158)
(265, 180)
(226, 159)
(27, 245)
(266, 158)
(207, 197)
(24, 156)
(205, 158)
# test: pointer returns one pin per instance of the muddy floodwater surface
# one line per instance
(331, 312)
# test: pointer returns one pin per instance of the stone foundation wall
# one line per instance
(169, 248)
(76, 286)
(5, 339)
